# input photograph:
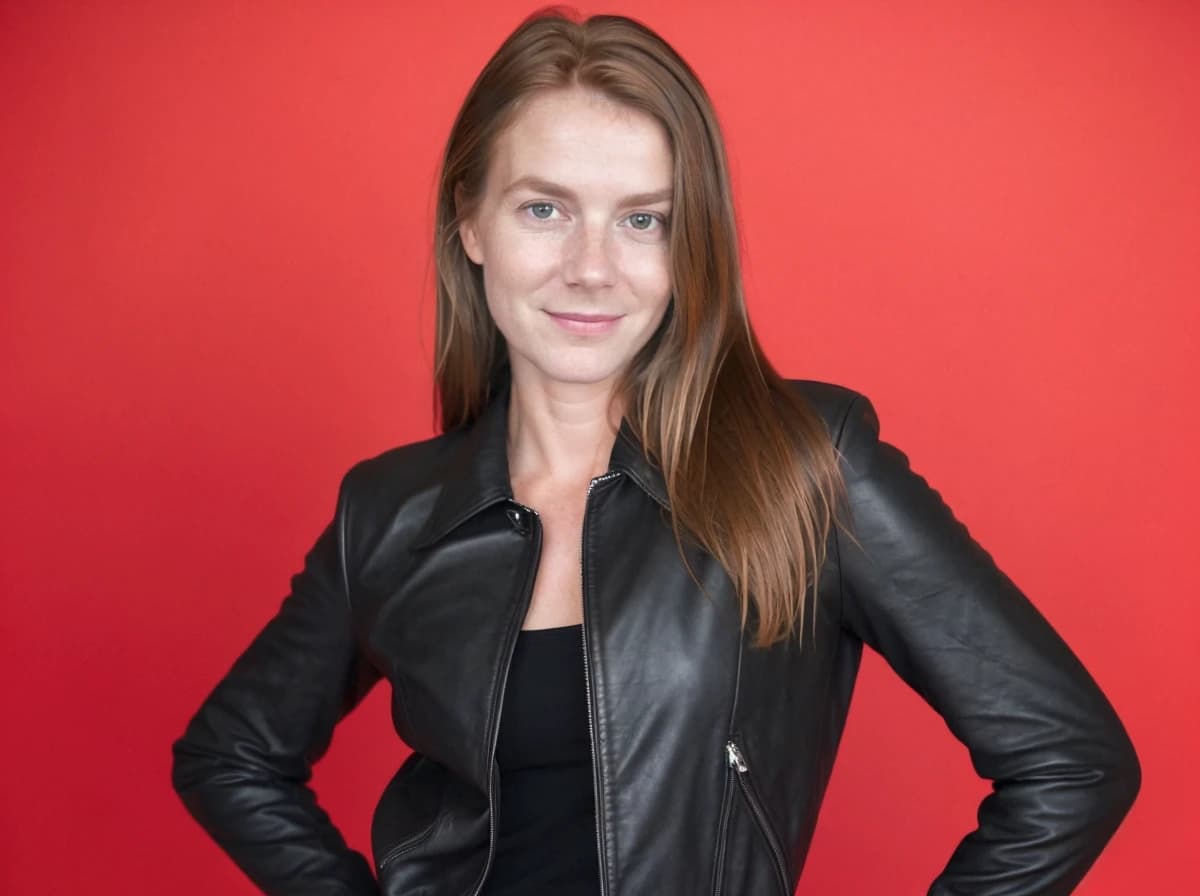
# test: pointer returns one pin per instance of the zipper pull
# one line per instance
(735, 758)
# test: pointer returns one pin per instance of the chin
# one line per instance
(564, 371)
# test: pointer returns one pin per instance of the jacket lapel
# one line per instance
(476, 475)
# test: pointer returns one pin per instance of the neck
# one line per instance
(560, 432)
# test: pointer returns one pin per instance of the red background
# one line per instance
(216, 296)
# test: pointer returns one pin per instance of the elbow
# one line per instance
(192, 776)
(199, 765)
(1117, 779)
(189, 768)
(206, 781)
(1124, 777)
(205, 769)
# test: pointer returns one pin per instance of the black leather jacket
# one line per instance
(711, 758)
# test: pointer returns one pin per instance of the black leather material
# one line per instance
(711, 758)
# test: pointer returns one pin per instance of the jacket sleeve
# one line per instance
(919, 590)
(244, 761)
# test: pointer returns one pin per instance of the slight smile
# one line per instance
(587, 324)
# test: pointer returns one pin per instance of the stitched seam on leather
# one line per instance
(837, 541)
(722, 842)
(737, 684)
(644, 487)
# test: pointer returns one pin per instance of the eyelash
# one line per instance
(662, 220)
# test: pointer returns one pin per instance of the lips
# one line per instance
(585, 324)
(584, 318)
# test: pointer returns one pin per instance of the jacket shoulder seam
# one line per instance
(837, 541)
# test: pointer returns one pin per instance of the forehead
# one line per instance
(585, 141)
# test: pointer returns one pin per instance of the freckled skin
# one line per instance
(581, 249)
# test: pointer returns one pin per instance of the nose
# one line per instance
(588, 257)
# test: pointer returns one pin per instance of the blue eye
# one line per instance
(539, 207)
(643, 220)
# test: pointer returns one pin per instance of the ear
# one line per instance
(468, 230)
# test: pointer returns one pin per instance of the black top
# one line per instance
(546, 825)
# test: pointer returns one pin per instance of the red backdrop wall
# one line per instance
(216, 296)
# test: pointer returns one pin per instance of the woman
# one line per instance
(621, 599)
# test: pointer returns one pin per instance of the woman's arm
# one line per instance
(242, 766)
(931, 601)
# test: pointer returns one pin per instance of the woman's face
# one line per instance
(571, 232)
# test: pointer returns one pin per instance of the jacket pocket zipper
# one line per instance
(408, 844)
(737, 761)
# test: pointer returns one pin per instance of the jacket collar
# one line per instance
(475, 475)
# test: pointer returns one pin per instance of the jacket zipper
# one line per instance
(407, 845)
(587, 683)
(737, 761)
(537, 551)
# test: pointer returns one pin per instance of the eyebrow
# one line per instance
(552, 189)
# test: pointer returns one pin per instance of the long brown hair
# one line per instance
(750, 470)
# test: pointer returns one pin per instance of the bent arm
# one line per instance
(243, 764)
(925, 595)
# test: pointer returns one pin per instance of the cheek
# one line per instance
(515, 263)
(649, 268)
(512, 281)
